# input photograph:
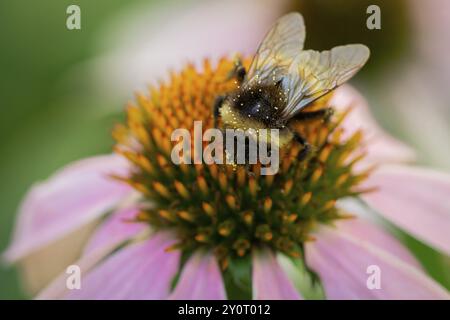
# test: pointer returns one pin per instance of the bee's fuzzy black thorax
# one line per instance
(260, 103)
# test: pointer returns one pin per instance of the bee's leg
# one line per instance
(324, 113)
(216, 112)
(238, 71)
(306, 146)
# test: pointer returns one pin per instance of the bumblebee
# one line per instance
(283, 79)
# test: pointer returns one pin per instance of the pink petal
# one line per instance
(58, 288)
(71, 198)
(107, 238)
(380, 146)
(416, 200)
(341, 260)
(360, 228)
(117, 228)
(142, 270)
(269, 280)
(200, 279)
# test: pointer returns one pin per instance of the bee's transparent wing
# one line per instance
(278, 49)
(313, 74)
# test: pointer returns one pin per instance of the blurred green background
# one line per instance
(45, 122)
(50, 114)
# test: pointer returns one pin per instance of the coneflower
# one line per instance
(223, 208)
(180, 231)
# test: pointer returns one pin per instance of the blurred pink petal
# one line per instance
(341, 259)
(40, 267)
(57, 288)
(269, 280)
(416, 200)
(423, 109)
(104, 240)
(380, 146)
(141, 270)
(201, 279)
(71, 198)
(156, 41)
(359, 228)
(116, 229)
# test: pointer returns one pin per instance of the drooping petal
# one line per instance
(344, 261)
(107, 238)
(269, 280)
(141, 270)
(380, 146)
(73, 197)
(416, 200)
(42, 266)
(116, 229)
(364, 226)
(200, 279)
(57, 288)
